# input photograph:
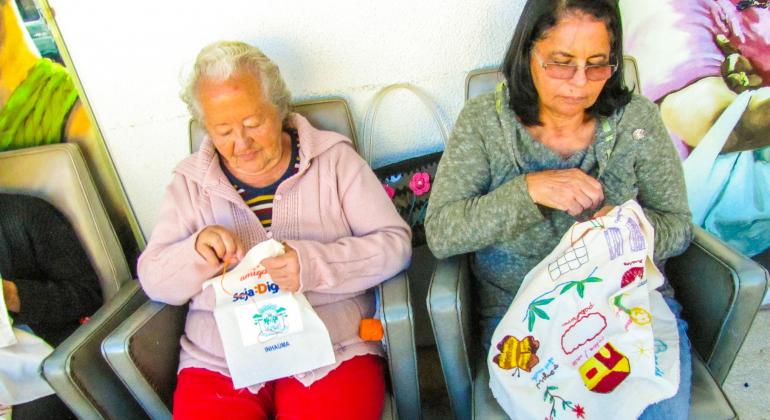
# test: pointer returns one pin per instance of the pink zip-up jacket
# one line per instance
(334, 212)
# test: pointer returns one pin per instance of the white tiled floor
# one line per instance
(748, 383)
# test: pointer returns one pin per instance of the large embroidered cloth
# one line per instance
(587, 335)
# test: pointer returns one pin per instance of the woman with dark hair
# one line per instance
(560, 141)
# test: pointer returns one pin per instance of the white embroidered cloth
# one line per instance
(587, 335)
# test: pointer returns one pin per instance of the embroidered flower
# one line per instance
(394, 178)
(579, 411)
(420, 183)
(389, 190)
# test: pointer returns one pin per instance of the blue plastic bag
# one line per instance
(729, 194)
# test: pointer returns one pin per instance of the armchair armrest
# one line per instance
(398, 323)
(720, 291)
(79, 374)
(449, 306)
(144, 353)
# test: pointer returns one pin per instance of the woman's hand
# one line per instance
(11, 297)
(217, 244)
(570, 190)
(284, 269)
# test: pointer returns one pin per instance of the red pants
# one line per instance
(354, 390)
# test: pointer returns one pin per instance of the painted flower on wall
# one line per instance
(408, 184)
(389, 190)
(420, 183)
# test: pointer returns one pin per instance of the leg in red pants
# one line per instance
(354, 390)
(203, 394)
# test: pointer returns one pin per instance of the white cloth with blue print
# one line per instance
(267, 333)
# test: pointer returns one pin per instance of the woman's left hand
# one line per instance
(284, 269)
(11, 297)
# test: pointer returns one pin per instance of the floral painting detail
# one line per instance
(389, 190)
(408, 184)
(420, 183)
(550, 397)
(535, 309)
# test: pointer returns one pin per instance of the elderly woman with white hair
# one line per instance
(264, 172)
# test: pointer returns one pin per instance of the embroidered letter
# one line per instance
(636, 239)
(614, 242)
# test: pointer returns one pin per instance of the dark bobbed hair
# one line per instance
(536, 19)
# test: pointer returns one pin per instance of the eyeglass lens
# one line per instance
(567, 71)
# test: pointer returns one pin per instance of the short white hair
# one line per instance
(222, 60)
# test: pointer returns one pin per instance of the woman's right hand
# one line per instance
(217, 244)
(570, 190)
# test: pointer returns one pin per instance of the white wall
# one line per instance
(132, 55)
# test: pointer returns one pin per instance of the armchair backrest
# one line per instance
(59, 175)
(479, 82)
(720, 291)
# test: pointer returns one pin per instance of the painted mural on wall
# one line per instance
(707, 64)
(38, 99)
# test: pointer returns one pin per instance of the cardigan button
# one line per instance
(269, 235)
(277, 197)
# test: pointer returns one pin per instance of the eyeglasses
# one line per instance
(594, 72)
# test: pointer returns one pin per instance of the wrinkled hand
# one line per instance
(217, 244)
(570, 190)
(284, 269)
